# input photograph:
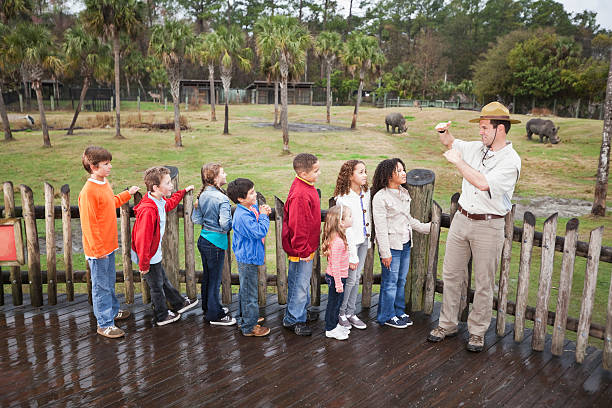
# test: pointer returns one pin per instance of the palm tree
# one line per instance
(171, 43)
(6, 71)
(209, 53)
(88, 55)
(31, 46)
(362, 53)
(283, 39)
(11, 9)
(110, 18)
(328, 45)
(232, 46)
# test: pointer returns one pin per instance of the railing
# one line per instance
(421, 286)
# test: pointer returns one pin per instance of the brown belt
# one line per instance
(479, 217)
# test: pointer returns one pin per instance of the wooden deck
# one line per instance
(52, 356)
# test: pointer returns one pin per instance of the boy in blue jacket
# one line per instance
(250, 225)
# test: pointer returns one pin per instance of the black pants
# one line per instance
(162, 290)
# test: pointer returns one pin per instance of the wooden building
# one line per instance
(298, 93)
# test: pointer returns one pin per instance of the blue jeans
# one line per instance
(162, 291)
(105, 303)
(298, 292)
(247, 298)
(213, 258)
(334, 300)
(392, 298)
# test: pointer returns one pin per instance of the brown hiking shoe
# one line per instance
(122, 314)
(439, 333)
(112, 332)
(476, 343)
(258, 331)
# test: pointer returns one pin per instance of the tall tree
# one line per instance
(87, 55)
(172, 42)
(111, 18)
(285, 40)
(328, 45)
(363, 55)
(233, 51)
(210, 48)
(31, 46)
(7, 71)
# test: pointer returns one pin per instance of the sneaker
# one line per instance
(396, 323)
(302, 329)
(406, 319)
(187, 305)
(356, 322)
(122, 314)
(226, 320)
(476, 343)
(112, 332)
(170, 318)
(344, 322)
(225, 309)
(312, 316)
(258, 331)
(439, 333)
(345, 329)
(337, 333)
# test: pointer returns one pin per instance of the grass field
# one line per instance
(566, 170)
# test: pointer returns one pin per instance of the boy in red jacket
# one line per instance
(301, 232)
(147, 244)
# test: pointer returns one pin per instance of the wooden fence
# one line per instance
(422, 282)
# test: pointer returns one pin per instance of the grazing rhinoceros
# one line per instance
(543, 128)
(396, 120)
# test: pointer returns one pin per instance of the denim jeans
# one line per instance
(212, 264)
(298, 292)
(351, 289)
(334, 300)
(105, 303)
(247, 297)
(162, 290)
(392, 298)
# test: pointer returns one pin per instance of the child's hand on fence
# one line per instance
(132, 190)
(143, 272)
(353, 266)
(265, 209)
(189, 188)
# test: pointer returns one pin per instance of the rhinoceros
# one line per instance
(396, 120)
(543, 128)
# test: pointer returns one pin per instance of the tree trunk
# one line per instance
(79, 106)
(127, 84)
(41, 111)
(357, 103)
(175, 91)
(116, 50)
(276, 123)
(603, 168)
(284, 114)
(328, 91)
(8, 135)
(211, 80)
(226, 79)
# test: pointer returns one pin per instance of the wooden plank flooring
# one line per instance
(51, 356)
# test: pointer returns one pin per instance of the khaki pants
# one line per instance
(484, 240)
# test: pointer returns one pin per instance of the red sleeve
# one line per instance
(174, 200)
(299, 212)
(143, 234)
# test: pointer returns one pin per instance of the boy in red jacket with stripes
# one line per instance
(146, 244)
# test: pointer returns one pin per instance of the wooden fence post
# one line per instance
(368, 277)
(540, 320)
(607, 352)
(170, 260)
(27, 200)
(565, 286)
(315, 278)
(588, 293)
(502, 294)
(522, 290)
(15, 271)
(432, 264)
(67, 239)
(88, 280)
(226, 275)
(420, 185)
(262, 274)
(126, 253)
(190, 281)
(144, 287)
(281, 256)
(50, 245)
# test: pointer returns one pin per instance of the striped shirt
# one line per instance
(338, 261)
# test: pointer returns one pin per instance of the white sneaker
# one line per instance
(345, 329)
(226, 320)
(337, 334)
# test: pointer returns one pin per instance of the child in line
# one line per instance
(213, 212)
(301, 233)
(334, 244)
(394, 229)
(250, 225)
(352, 192)
(147, 236)
(97, 205)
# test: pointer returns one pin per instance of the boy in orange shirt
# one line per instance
(97, 205)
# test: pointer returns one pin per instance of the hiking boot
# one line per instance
(396, 323)
(259, 320)
(258, 331)
(171, 317)
(406, 319)
(187, 305)
(302, 329)
(439, 333)
(476, 343)
(343, 321)
(356, 322)
(112, 332)
(312, 316)
(337, 333)
(226, 320)
(122, 314)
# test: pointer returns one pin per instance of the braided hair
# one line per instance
(209, 173)
(343, 184)
(384, 173)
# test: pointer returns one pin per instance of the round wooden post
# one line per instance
(522, 289)
(15, 271)
(35, 281)
(502, 294)
(50, 245)
(281, 256)
(190, 280)
(170, 259)
(67, 236)
(420, 185)
(432, 264)
(126, 252)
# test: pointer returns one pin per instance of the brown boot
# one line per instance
(476, 343)
(439, 333)
(258, 331)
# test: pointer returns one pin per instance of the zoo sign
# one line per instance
(11, 242)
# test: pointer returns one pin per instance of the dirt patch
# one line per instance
(306, 127)
(545, 206)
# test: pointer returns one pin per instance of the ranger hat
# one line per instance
(494, 111)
